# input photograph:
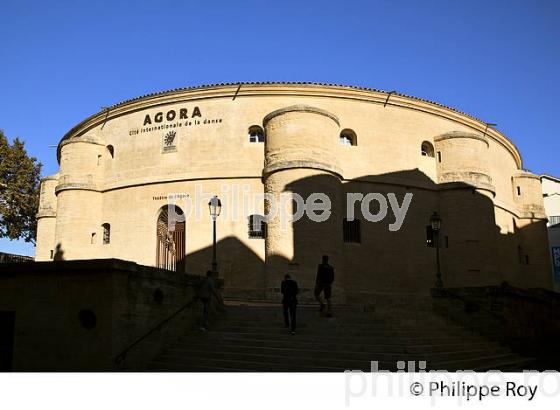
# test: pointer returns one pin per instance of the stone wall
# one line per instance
(527, 320)
(81, 315)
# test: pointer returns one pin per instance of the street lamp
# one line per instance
(435, 222)
(215, 207)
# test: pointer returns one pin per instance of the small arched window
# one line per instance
(348, 137)
(106, 234)
(256, 134)
(111, 151)
(257, 227)
(427, 149)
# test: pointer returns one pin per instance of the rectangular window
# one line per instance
(351, 231)
(257, 227)
(439, 156)
(518, 190)
(52, 253)
(106, 234)
(554, 221)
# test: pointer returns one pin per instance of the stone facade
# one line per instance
(118, 167)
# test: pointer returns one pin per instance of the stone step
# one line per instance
(264, 310)
(372, 340)
(325, 329)
(348, 315)
(342, 323)
(252, 338)
(274, 359)
(347, 331)
(343, 327)
(233, 365)
(353, 345)
(235, 349)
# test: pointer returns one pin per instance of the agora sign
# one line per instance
(172, 115)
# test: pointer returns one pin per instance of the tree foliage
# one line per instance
(19, 190)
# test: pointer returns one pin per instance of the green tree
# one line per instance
(19, 191)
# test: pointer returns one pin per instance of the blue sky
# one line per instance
(496, 60)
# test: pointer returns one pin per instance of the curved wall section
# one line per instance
(463, 157)
(244, 142)
(79, 200)
(527, 193)
(300, 158)
(46, 219)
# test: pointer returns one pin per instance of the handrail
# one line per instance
(122, 356)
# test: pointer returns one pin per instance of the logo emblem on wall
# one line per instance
(169, 141)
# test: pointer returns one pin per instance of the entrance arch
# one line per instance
(170, 250)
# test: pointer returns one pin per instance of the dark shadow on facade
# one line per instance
(378, 262)
(241, 269)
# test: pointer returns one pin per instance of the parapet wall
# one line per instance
(81, 315)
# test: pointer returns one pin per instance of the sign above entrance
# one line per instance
(171, 115)
(173, 118)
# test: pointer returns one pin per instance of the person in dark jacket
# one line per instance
(205, 291)
(289, 291)
(323, 284)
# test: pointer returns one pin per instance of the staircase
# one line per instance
(253, 338)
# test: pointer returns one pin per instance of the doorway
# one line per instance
(7, 333)
(170, 251)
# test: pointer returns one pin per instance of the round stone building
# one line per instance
(125, 172)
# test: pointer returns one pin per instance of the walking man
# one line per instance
(289, 291)
(205, 290)
(323, 284)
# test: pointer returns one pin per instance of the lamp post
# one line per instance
(215, 207)
(435, 222)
